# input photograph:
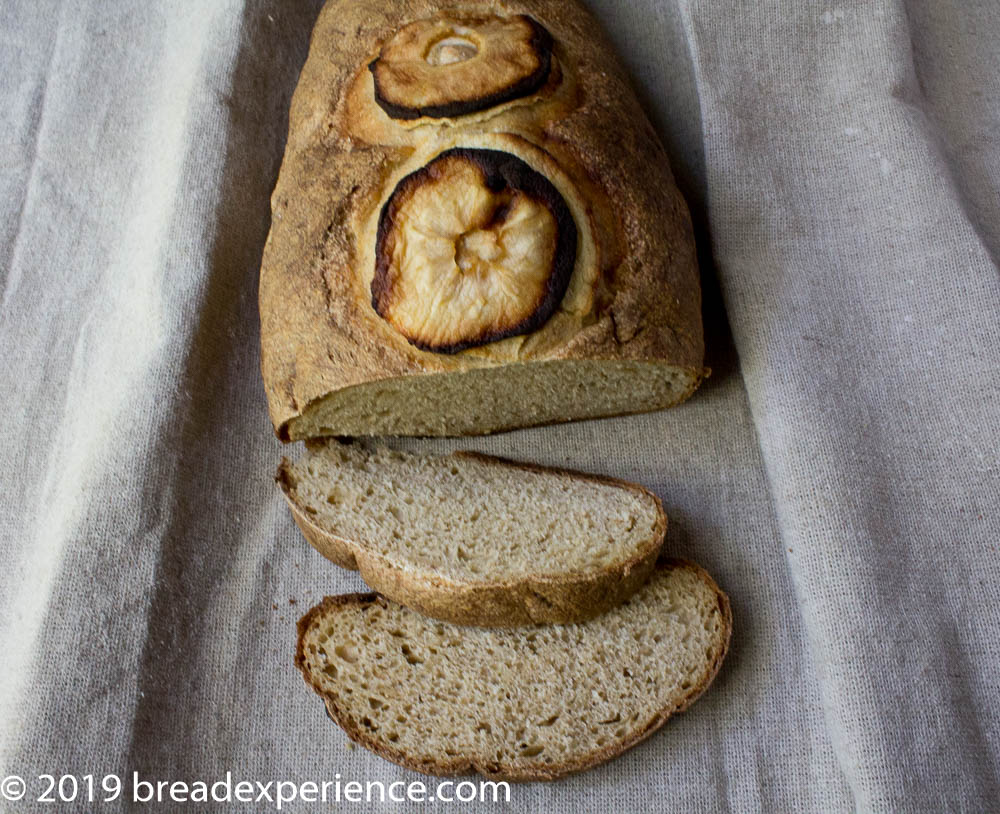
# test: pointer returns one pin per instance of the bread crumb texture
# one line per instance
(470, 519)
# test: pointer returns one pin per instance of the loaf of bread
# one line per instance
(475, 228)
(529, 703)
(474, 539)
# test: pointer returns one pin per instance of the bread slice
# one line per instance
(473, 539)
(530, 703)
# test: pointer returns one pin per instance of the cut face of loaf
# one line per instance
(530, 703)
(474, 539)
(474, 229)
(480, 401)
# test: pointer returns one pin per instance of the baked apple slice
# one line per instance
(450, 66)
(474, 247)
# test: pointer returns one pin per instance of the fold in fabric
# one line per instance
(860, 282)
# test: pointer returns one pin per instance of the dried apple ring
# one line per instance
(447, 66)
(474, 247)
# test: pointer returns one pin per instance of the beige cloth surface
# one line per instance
(838, 474)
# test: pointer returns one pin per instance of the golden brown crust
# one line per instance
(510, 603)
(461, 764)
(319, 333)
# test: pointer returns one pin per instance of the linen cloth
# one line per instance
(837, 474)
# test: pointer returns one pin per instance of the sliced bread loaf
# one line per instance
(411, 274)
(474, 539)
(531, 703)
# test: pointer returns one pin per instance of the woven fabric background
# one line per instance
(839, 474)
